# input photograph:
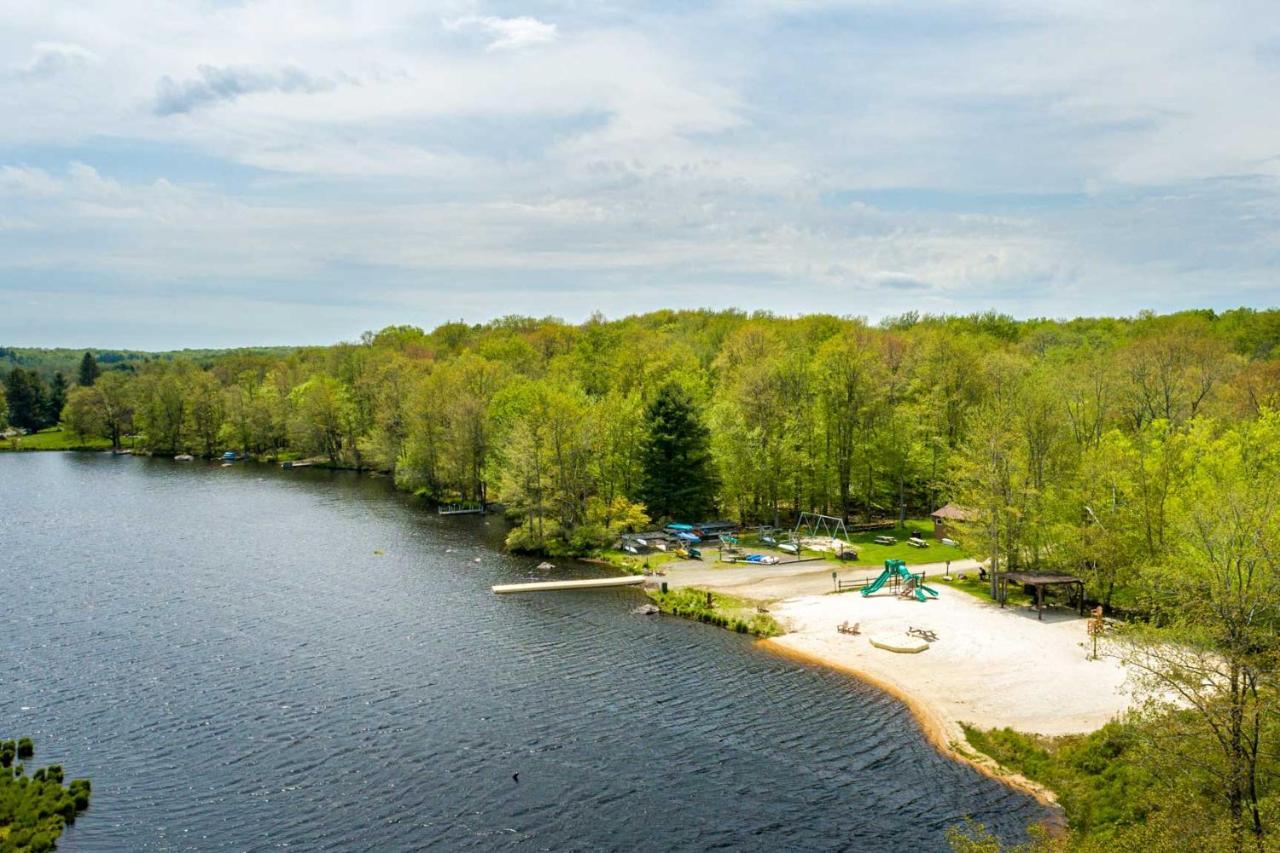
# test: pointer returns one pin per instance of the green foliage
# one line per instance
(723, 611)
(1064, 438)
(1097, 777)
(679, 479)
(103, 411)
(88, 371)
(34, 809)
(29, 401)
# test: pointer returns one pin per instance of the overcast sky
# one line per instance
(179, 173)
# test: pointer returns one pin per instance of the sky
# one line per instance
(189, 174)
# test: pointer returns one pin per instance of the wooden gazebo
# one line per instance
(1038, 582)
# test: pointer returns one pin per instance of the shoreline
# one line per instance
(988, 668)
(945, 736)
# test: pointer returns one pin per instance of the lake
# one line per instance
(246, 658)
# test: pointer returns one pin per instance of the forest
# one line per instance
(1141, 453)
(1053, 432)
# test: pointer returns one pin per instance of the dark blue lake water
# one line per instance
(225, 654)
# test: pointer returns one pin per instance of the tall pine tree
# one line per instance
(57, 398)
(679, 480)
(88, 370)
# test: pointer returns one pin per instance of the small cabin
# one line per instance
(947, 517)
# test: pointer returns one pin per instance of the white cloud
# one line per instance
(49, 59)
(505, 33)
(213, 84)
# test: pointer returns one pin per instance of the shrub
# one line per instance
(1097, 782)
(26, 749)
(34, 810)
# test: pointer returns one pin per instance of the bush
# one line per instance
(1098, 784)
(34, 810)
(26, 749)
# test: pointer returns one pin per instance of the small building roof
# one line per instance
(951, 512)
(1040, 578)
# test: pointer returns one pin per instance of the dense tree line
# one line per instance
(1058, 434)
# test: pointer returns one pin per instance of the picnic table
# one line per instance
(886, 540)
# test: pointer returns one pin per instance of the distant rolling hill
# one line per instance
(49, 361)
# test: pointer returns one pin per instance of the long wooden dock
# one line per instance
(589, 583)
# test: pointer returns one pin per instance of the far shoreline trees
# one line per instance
(1059, 435)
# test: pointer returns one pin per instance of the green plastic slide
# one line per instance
(891, 568)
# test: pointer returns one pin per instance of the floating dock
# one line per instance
(461, 509)
(589, 583)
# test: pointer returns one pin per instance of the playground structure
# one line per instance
(902, 581)
(819, 532)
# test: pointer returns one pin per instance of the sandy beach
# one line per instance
(989, 667)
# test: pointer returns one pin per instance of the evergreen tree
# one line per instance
(57, 398)
(28, 399)
(88, 370)
(679, 481)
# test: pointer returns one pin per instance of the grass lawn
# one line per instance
(636, 563)
(55, 438)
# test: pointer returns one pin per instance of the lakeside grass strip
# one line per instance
(54, 439)
(724, 611)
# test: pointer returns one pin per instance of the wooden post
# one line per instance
(1040, 602)
(1096, 627)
